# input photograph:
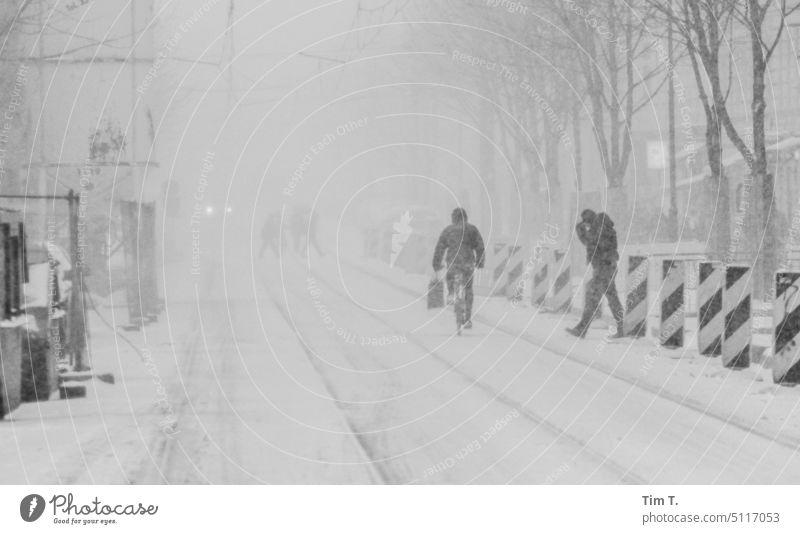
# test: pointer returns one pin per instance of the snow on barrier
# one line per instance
(515, 286)
(496, 264)
(561, 296)
(635, 320)
(786, 315)
(709, 299)
(539, 282)
(483, 280)
(736, 303)
(672, 305)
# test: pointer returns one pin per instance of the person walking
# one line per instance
(596, 232)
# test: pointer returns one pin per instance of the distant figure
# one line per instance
(271, 234)
(461, 245)
(303, 227)
(596, 232)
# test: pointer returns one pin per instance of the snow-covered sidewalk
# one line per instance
(748, 397)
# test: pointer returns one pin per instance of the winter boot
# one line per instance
(577, 331)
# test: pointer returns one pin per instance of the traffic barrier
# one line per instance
(539, 281)
(516, 267)
(635, 320)
(561, 295)
(710, 317)
(484, 281)
(786, 315)
(496, 265)
(736, 305)
(672, 306)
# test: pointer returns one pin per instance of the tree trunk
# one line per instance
(764, 182)
(576, 138)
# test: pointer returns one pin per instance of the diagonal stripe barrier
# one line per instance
(672, 306)
(736, 305)
(635, 320)
(709, 299)
(786, 316)
(516, 267)
(540, 281)
(561, 295)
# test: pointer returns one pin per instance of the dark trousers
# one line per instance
(467, 274)
(602, 283)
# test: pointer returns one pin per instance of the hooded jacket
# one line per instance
(600, 239)
(463, 245)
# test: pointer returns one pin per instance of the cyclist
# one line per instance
(461, 246)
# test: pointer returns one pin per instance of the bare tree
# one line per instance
(608, 37)
(704, 28)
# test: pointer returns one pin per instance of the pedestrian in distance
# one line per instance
(270, 234)
(461, 246)
(596, 232)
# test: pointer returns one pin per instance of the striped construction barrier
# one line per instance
(497, 264)
(515, 268)
(672, 306)
(486, 279)
(709, 299)
(786, 315)
(736, 306)
(635, 321)
(561, 294)
(483, 283)
(539, 281)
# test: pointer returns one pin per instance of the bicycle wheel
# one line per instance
(460, 304)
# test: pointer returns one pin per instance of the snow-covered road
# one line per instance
(417, 404)
(339, 374)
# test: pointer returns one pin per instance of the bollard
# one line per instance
(515, 267)
(539, 282)
(710, 318)
(635, 320)
(483, 282)
(672, 307)
(736, 306)
(786, 315)
(561, 296)
(497, 266)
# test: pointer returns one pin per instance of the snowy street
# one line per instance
(322, 380)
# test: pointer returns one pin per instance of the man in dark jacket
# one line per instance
(463, 245)
(596, 232)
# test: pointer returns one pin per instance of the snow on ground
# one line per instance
(322, 372)
(748, 396)
(182, 388)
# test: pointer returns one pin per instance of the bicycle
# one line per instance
(459, 301)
